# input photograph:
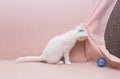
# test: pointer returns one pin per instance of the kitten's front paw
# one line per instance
(68, 62)
(60, 62)
(19, 60)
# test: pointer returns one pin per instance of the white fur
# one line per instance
(59, 47)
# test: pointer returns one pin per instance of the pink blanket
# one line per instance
(95, 47)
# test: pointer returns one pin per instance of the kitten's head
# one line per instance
(81, 33)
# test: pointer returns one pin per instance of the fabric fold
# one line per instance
(96, 25)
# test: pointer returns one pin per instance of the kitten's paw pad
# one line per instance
(68, 62)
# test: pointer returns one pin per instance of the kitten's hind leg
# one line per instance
(30, 59)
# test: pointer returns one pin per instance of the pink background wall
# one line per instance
(27, 25)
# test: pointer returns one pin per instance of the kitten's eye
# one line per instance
(81, 30)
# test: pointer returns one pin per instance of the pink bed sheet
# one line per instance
(34, 70)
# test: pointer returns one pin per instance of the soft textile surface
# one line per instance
(89, 70)
(112, 33)
(23, 26)
(96, 25)
(27, 25)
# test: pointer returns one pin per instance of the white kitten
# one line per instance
(59, 47)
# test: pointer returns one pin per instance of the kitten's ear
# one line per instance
(80, 26)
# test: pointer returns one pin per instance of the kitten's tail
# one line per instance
(30, 59)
